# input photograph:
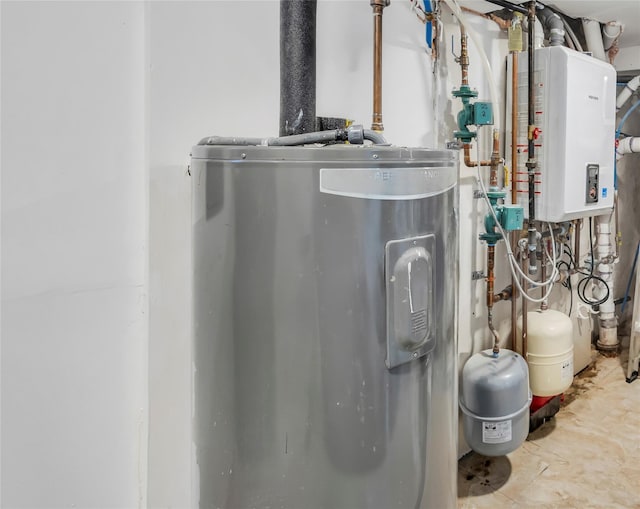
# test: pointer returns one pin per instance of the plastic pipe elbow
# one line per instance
(627, 91)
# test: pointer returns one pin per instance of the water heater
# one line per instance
(575, 116)
(324, 284)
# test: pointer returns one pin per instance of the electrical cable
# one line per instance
(567, 282)
(582, 284)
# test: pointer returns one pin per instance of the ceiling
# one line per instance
(626, 11)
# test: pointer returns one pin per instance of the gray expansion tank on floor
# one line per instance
(324, 304)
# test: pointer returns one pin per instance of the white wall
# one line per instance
(74, 246)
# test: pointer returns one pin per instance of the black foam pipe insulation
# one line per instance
(297, 66)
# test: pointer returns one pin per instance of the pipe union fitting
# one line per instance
(355, 135)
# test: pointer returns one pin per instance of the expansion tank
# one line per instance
(324, 299)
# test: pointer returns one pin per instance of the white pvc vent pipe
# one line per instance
(594, 38)
(610, 33)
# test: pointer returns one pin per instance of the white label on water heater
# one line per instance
(405, 183)
(496, 432)
(567, 370)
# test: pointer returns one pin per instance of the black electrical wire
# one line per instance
(567, 282)
(582, 284)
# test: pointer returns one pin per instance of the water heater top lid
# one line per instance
(376, 154)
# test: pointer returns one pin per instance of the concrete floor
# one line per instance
(587, 456)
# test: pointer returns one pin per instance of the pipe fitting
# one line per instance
(628, 145)
(505, 294)
(627, 91)
(610, 33)
(552, 23)
(354, 134)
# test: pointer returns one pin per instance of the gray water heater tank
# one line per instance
(495, 402)
(324, 284)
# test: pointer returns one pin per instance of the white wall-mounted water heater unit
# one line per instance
(575, 147)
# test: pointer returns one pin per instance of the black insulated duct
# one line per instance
(297, 66)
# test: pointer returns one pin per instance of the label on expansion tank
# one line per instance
(496, 432)
(388, 183)
(567, 371)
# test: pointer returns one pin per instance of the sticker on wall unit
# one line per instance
(604, 192)
(496, 432)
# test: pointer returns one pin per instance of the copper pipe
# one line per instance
(466, 147)
(514, 127)
(378, 7)
(514, 298)
(496, 338)
(464, 56)
(618, 237)
(502, 23)
(494, 162)
(491, 253)
(514, 183)
(524, 310)
(434, 47)
(543, 277)
(495, 159)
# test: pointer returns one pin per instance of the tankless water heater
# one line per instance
(575, 114)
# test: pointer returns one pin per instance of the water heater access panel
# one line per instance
(575, 113)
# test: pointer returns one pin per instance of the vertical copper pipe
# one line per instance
(514, 298)
(491, 253)
(378, 7)
(495, 159)
(524, 310)
(543, 277)
(514, 188)
(464, 55)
